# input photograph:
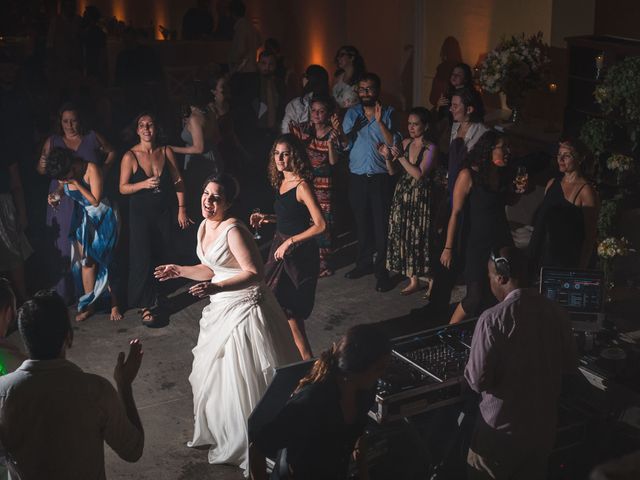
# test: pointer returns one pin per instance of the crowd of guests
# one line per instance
(429, 210)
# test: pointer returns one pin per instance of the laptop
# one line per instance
(581, 292)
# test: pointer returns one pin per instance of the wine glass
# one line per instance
(156, 174)
(521, 179)
(55, 200)
(256, 234)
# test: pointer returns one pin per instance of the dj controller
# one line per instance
(426, 372)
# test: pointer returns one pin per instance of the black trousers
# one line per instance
(149, 244)
(370, 198)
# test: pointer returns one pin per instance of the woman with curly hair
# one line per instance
(93, 231)
(483, 184)
(293, 265)
(320, 427)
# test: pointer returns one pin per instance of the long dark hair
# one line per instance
(481, 157)
(70, 107)
(299, 160)
(131, 134)
(358, 63)
(468, 78)
(423, 114)
(59, 162)
(355, 352)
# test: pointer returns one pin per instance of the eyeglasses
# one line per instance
(367, 90)
(501, 263)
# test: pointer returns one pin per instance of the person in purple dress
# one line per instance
(90, 147)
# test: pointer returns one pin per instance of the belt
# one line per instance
(368, 175)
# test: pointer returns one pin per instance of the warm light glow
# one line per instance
(118, 10)
(600, 61)
(82, 4)
(553, 87)
(160, 17)
(317, 44)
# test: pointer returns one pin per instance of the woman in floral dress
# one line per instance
(324, 144)
(410, 218)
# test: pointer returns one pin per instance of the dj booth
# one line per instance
(416, 423)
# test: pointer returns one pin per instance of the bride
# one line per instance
(243, 332)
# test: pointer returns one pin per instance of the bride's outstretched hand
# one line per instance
(204, 289)
(167, 272)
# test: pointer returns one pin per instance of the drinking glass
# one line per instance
(256, 233)
(521, 179)
(156, 173)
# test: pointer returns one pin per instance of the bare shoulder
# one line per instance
(588, 195)
(549, 183)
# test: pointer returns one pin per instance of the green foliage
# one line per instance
(596, 134)
(619, 96)
(608, 216)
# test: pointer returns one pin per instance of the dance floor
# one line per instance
(162, 389)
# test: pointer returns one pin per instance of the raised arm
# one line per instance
(385, 129)
(246, 253)
(460, 192)
(426, 164)
(93, 194)
(192, 272)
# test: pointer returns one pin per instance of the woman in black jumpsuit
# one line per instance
(147, 173)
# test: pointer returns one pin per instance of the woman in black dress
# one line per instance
(149, 174)
(565, 228)
(483, 185)
(321, 425)
(294, 264)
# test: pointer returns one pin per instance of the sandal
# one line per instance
(148, 318)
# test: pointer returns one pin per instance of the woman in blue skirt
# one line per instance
(94, 228)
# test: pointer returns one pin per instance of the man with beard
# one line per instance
(369, 125)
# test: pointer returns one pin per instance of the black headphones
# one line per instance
(503, 267)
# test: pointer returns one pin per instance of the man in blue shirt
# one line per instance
(368, 126)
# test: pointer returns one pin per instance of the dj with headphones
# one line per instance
(521, 349)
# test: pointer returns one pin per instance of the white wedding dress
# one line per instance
(243, 335)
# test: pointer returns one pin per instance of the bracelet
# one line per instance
(181, 206)
(448, 248)
(292, 241)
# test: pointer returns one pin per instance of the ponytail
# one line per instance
(324, 367)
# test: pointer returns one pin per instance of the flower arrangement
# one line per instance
(620, 163)
(517, 64)
(612, 247)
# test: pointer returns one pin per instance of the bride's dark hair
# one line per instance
(230, 189)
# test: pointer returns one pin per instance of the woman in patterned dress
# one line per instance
(323, 145)
(410, 218)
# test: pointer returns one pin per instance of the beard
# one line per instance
(368, 101)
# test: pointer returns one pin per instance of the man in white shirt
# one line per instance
(521, 349)
(54, 418)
